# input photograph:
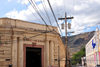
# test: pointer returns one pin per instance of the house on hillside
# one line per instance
(26, 44)
(93, 50)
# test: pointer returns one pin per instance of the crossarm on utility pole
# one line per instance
(66, 18)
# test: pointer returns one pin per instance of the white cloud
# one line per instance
(80, 7)
(9, 0)
(86, 12)
(23, 1)
(27, 14)
(23, 15)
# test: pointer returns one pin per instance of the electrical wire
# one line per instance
(46, 14)
(54, 16)
(35, 8)
(33, 13)
(28, 37)
(38, 8)
(44, 6)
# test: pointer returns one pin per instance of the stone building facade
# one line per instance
(93, 53)
(26, 44)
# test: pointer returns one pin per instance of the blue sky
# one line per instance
(86, 13)
(6, 6)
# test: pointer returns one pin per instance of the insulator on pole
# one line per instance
(62, 26)
(69, 25)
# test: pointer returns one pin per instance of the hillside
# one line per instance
(75, 43)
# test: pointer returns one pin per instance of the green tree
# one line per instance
(77, 57)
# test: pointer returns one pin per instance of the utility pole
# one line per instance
(66, 48)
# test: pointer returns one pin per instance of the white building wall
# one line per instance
(92, 55)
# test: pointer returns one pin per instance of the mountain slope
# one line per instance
(75, 43)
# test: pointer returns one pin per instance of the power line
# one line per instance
(54, 16)
(38, 7)
(44, 6)
(33, 14)
(28, 37)
(35, 8)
